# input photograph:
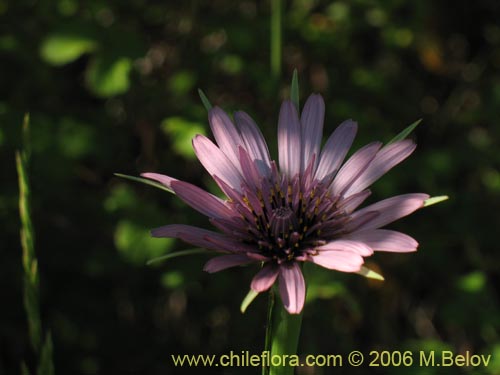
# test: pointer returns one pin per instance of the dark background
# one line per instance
(111, 86)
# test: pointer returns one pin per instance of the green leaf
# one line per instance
(370, 274)
(182, 82)
(435, 200)
(61, 49)
(145, 181)
(107, 76)
(181, 133)
(204, 100)
(252, 294)
(177, 254)
(135, 244)
(294, 91)
(473, 282)
(405, 132)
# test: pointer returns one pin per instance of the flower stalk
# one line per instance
(42, 346)
(283, 331)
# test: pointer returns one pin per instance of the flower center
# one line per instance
(282, 222)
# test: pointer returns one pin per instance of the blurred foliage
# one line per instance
(112, 87)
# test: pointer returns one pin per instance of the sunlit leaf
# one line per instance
(136, 245)
(182, 82)
(107, 77)
(60, 49)
(181, 132)
(172, 279)
(249, 298)
(472, 282)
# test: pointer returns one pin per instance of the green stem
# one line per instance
(282, 336)
(276, 38)
(43, 350)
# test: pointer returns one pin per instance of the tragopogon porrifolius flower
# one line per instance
(303, 208)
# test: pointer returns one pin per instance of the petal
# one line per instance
(216, 162)
(352, 202)
(201, 238)
(161, 178)
(226, 261)
(289, 139)
(388, 157)
(254, 142)
(311, 121)
(249, 169)
(390, 209)
(225, 133)
(385, 240)
(348, 246)
(335, 149)
(292, 287)
(356, 164)
(338, 260)
(265, 278)
(202, 201)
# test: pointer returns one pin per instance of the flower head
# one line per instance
(303, 210)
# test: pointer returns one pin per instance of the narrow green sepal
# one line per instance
(435, 200)
(176, 254)
(251, 295)
(145, 181)
(204, 100)
(405, 132)
(294, 90)
(370, 274)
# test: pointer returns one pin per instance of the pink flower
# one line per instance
(305, 210)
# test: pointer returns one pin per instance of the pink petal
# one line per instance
(349, 246)
(254, 142)
(225, 133)
(338, 260)
(292, 287)
(289, 139)
(265, 278)
(388, 157)
(162, 179)
(352, 202)
(202, 201)
(311, 120)
(390, 209)
(385, 240)
(201, 238)
(335, 149)
(226, 261)
(249, 169)
(216, 162)
(356, 164)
